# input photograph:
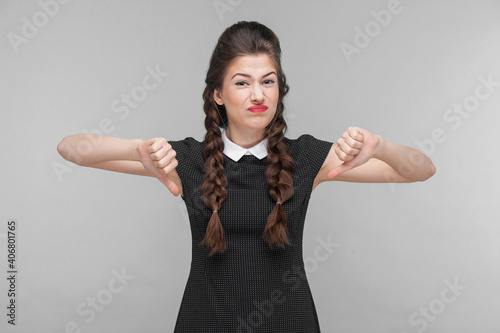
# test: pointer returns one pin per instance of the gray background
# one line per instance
(394, 245)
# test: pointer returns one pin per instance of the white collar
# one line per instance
(235, 152)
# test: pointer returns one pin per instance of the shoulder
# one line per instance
(187, 143)
(187, 147)
(306, 144)
(188, 152)
(309, 150)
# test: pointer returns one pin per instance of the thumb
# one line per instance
(340, 169)
(174, 189)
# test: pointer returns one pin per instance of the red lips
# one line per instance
(257, 108)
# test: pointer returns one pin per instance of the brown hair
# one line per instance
(245, 38)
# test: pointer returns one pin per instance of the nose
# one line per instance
(257, 94)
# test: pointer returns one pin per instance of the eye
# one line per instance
(268, 81)
(241, 83)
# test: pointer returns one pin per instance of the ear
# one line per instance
(217, 97)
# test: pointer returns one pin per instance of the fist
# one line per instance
(355, 147)
(158, 158)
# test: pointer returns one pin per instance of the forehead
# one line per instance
(254, 65)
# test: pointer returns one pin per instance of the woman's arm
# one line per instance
(408, 162)
(360, 156)
(154, 157)
(88, 149)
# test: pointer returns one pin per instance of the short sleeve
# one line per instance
(316, 151)
(189, 155)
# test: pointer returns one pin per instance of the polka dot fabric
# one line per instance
(250, 287)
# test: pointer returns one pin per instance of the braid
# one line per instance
(279, 177)
(213, 189)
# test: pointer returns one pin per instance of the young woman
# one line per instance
(247, 187)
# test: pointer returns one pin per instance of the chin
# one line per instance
(261, 125)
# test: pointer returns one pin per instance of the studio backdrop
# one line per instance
(90, 250)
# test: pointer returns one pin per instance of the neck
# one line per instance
(245, 139)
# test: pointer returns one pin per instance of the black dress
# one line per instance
(250, 287)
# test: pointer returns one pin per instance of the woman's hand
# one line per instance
(158, 158)
(355, 147)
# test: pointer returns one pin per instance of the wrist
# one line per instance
(379, 150)
(135, 155)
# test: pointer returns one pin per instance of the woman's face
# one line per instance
(250, 85)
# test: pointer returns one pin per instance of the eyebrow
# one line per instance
(246, 75)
